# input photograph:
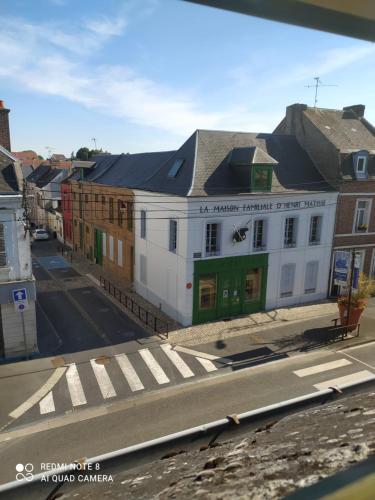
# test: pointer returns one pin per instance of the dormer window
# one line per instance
(261, 178)
(360, 164)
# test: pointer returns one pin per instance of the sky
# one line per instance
(143, 75)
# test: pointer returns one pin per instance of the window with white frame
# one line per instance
(213, 235)
(311, 276)
(290, 232)
(360, 168)
(3, 255)
(259, 236)
(287, 280)
(143, 224)
(172, 235)
(315, 229)
(372, 267)
(362, 216)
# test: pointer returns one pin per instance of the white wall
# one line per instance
(168, 273)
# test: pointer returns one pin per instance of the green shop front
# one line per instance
(229, 287)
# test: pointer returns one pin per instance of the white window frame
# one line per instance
(295, 244)
(361, 173)
(368, 215)
(219, 239)
(311, 289)
(284, 295)
(264, 235)
(320, 232)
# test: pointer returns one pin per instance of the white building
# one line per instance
(233, 223)
(17, 329)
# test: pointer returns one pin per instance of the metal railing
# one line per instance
(148, 318)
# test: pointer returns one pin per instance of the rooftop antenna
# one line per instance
(94, 141)
(49, 149)
(318, 83)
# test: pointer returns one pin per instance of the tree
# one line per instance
(40, 157)
(83, 154)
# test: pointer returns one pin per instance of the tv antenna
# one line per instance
(94, 141)
(50, 150)
(318, 83)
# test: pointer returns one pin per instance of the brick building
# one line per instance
(341, 143)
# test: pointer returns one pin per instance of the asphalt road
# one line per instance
(99, 429)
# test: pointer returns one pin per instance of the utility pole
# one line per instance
(318, 83)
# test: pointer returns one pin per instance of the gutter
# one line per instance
(43, 486)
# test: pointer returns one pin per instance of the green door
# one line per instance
(98, 246)
(230, 293)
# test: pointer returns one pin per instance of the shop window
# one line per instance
(315, 229)
(253, 284)
(207, 292)
(311, 276)
(213, 239)
(290, 232)
(287, 280)
(259, 240)
(362, 216)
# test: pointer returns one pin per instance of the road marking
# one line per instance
(203, 355)
(154, 367)
(75, 387)
(348, 379)
(356, 359)
(311, 370)
(130, 374)
(178, 362)
(39, 394)
(207, 364)
(47, 405)
(104, 382)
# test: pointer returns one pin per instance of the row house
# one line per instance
(98, 205)
(17, 330)
(341, 144)
(233, 223)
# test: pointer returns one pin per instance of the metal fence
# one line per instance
(148, 318)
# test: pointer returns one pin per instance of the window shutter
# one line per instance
(311, 276)
(3, 255)
(104, 244)
(111, 247)
(119, 252)
(287, 280)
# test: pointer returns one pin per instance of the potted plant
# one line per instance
(358, 302)
(362, 227)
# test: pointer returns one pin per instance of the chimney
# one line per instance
(293, 116)
(358, 109)
(4, 126)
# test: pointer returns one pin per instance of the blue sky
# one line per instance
(142, 75)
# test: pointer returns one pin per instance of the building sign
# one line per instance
(20, 299)
(247, 207)
(341, 268)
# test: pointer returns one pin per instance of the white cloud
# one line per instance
(106, 27)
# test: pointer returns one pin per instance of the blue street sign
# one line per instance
(19, 295)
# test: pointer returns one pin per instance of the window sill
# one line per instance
(314, 243)
(286, 294)
(290, 245)
(259, 249)
(212, 254)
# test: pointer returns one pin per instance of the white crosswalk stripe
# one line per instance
(312, 370)
(130, 374)
(154, 367)
(207, 364)
(361, 376)
(102, 377)
(47, 405)
(176, 359)
(75, 387)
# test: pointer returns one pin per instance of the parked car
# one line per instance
(40, 234)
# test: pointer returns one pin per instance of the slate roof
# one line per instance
(343, 128)
(8, 177)
(43, 175)
(206, 169)
(250, 155)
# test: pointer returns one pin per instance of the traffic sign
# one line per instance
(20, 299)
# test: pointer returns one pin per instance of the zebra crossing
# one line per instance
(318, 373)
(157, 362)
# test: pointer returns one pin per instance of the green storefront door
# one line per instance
(230, 293)
(98, 246)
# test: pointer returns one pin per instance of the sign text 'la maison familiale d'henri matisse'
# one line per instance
(262, 207)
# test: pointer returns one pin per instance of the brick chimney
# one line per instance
(358, 109)
(4, 126)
